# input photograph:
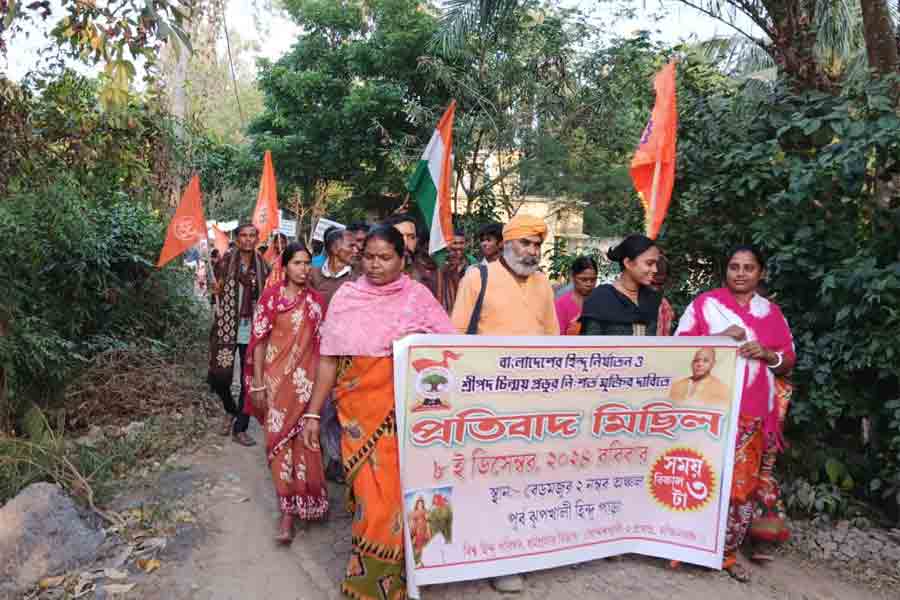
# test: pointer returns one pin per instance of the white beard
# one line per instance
(515, 263)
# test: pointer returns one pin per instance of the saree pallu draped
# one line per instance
(223, 337)
(290, 329)
(364, 397)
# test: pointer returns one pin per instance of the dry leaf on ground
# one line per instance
(149, 565)
(51, 582)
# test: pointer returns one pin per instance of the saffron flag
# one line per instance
(653, 165)
(266, 217)
(187, 227)
(430, 184)
(271, 254)
(220, 240)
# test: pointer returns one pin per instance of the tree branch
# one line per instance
(718, 16)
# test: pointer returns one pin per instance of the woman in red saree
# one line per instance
(282, 359)
(357, 362)
(739, 312)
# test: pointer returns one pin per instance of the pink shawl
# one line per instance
(566, 311)
(365, 319)
(716, 310)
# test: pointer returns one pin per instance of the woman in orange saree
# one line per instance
(282, 359)
(357, 362)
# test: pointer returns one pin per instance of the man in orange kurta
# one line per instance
(518, 301)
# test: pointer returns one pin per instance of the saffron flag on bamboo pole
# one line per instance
(220, 240)
(653, 165)
(430, 184)
(188, 225)
(266, 217)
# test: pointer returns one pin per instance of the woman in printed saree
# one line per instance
(282, 360)
(568, 306)
(629, 305)
(364, 319)
(739, 312)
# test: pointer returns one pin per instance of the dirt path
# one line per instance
(230, 554)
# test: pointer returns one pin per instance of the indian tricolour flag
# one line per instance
(430, 184)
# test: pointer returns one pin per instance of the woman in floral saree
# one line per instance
(282, 359)
(365, 317)
(739, 312)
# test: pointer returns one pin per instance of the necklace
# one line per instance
(632, 294)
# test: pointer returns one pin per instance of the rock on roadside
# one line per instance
(41, 533)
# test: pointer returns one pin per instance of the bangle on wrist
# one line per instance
(780, 357)
(261, 388)
(311, 416)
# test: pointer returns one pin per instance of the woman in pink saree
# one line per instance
(281, 363)
(739, 312)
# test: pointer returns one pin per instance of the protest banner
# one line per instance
(322, 226)
(520, 453)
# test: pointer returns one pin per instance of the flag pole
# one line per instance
(654, 194)
(211, 273)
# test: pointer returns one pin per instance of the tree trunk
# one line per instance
(881, 43)
(793, 34)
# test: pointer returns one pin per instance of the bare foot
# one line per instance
(285, 530)
(740, 571)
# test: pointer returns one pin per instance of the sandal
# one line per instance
(738, 572)
(285, 530)
(243, 439)
(761, 557)
(227, 426)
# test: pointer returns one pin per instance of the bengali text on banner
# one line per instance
(520, 453)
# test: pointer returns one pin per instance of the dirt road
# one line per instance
(230, 555)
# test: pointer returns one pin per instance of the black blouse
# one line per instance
(607, 311)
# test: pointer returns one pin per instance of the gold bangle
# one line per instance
(311, 416)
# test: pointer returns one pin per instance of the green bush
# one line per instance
(803, 177)
(80, 278)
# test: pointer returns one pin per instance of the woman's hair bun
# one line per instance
(631, 247)
(615, 253)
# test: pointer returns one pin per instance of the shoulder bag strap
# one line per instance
(476, 312)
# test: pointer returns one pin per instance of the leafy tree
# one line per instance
(335, 104)
(116, 35)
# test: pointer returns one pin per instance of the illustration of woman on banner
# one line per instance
(419, 530)
(702, 387)
(364, 319)
(738, 311)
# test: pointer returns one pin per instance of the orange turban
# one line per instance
(523, 226)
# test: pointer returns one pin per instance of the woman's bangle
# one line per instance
(261, 388)
(780, 357)
(311, 416)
